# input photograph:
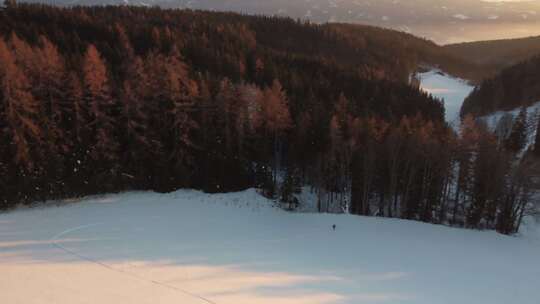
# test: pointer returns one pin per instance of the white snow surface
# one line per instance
(533, 112)
(452, 90)
(237, 248)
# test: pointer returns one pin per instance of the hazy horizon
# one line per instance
(443, 21)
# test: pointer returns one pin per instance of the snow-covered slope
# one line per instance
(493, 118)
(452, 90)
(533, 112)
(189, 247)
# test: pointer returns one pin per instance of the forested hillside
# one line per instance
(103, 99)
(513, 87)
(443, 21)
(498, 54)
(412, 50)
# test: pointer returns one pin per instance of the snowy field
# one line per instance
(452, 90)
(189, 247)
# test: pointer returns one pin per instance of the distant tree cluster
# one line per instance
(499, 53)
(414, 52)
(97, 100)
(512, 88)
(414, 170)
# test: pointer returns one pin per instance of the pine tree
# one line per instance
(537, 138)
(78, 118)
(227, 99)
(337, 164)
(172, 97)
(80, 134)
(518, 137)
(98, 98)
(24, 55)
(251, 101)
(21, 111)
(291, 186)
(486, 182)
(275, 109)
(464, 154)
(137, 144)
(276, 119)
(504, 127)
(48, 76)
(141, 145)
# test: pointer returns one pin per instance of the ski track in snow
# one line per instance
(232, 245)
(54, 242)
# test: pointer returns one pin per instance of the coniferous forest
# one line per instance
(106, 99)
(513, 87)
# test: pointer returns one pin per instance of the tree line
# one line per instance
(120, 99)
(513, 87)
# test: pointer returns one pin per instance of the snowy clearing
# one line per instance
(532, 114)
(190, 247)
(452, 90)
(533, 111)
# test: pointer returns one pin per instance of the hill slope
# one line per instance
(105, 99)
(419, 52)
(513, 87)
(194, 248)
(497, 53)
(374, 52)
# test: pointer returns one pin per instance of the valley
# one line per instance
(450, 89)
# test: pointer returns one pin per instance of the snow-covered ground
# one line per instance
(190, 247)
(533, 111)
(452, 90)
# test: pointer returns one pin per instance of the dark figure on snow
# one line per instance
(334, 227)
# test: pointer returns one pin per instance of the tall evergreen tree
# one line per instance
(276, 119)
(103, 149)
(21, 111)
(518, 137)
(537, 138)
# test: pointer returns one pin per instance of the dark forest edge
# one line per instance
(513, 87)
(98, 100)
(498, 54)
